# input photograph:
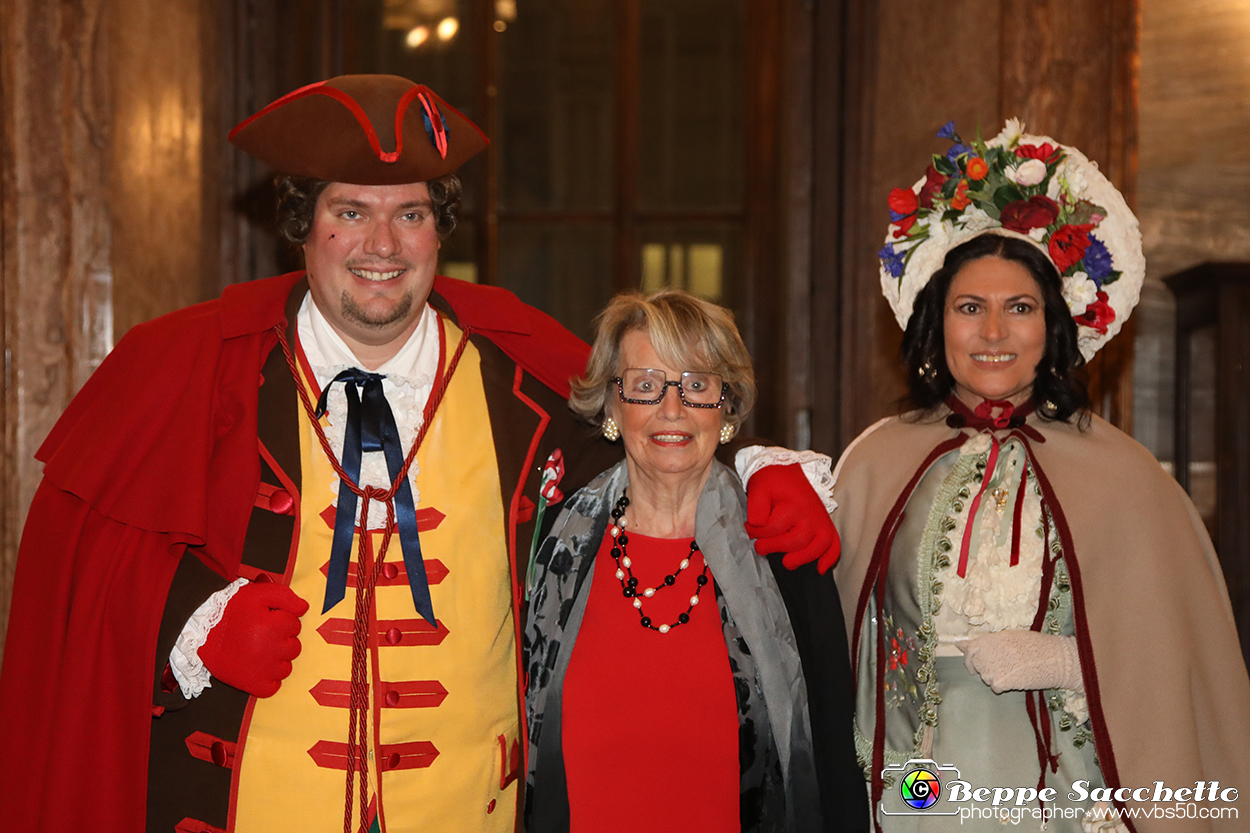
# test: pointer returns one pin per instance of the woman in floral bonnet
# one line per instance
(1035, 605)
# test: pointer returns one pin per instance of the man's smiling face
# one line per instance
(371, 258)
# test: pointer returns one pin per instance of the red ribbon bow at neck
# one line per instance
(986, 411)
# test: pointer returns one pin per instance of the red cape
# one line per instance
(160, 439)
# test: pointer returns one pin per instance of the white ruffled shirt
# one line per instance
(994, 595)
(409, 381)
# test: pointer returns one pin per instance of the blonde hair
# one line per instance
(686, 332)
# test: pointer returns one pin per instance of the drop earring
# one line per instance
(611, 430)
(727, 433)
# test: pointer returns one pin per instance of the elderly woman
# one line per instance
(670, 669)
(1036, 603)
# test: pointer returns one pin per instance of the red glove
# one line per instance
(784, 514)
(251, 648)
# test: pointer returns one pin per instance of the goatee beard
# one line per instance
(359, 315)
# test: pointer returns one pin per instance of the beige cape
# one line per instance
(1168, 690)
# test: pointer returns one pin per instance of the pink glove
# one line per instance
(784, 514)
(251, 648)
(1023, 660)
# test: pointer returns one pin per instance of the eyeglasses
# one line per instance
(647, 386)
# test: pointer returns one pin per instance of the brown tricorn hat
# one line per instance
(362, 129)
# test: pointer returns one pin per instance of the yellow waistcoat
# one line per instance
(443, 718)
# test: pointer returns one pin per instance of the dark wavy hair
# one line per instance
(297, 200)
(1060, 390)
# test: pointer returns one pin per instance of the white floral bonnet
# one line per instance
(1023, 186)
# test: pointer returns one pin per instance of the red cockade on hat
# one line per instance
(361, 129)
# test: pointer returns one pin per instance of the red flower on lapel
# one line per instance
(553, 473)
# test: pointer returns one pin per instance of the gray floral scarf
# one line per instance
(778, 780)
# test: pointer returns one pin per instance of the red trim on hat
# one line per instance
(400, 110)
(291, 96)
(347, 101)
(366, 125)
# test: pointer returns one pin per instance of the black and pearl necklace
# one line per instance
(629, 584)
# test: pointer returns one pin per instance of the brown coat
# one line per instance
(1168, 691)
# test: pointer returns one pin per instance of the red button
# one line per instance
(218, 751)
(392, 698)
(490, 808)
(394, 636)
(390, 570)
(281, 502)
(392, 761)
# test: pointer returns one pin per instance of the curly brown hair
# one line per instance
(297, 200)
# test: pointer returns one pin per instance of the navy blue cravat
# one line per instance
(371, 427)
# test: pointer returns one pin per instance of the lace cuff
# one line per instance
(184, 659)
(816, 466)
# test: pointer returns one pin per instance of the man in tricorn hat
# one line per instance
(272, 577)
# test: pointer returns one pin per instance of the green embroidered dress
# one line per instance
(934, 708)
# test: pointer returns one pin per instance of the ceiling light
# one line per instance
(417, 36)
(447, 28)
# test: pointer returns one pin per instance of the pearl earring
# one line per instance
(611, 430)
(727, 433)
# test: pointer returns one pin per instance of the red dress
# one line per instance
(650, 720)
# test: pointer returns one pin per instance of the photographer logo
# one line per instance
(920, 785)
(920, 789)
